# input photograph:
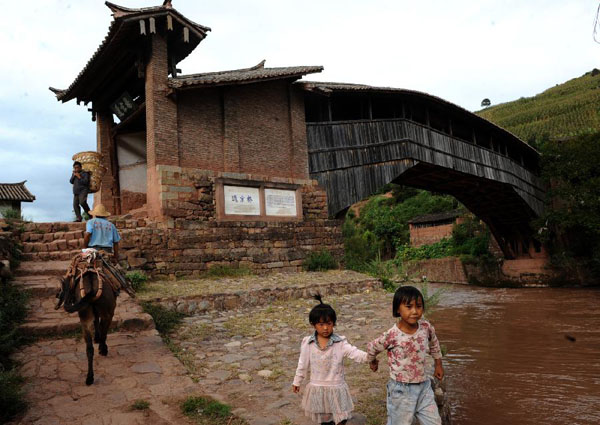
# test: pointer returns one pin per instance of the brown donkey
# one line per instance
(90, 288)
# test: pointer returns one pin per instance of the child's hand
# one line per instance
(374, 365)
(295, 389)
(439, 371)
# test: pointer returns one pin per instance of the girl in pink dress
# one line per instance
(327, 397)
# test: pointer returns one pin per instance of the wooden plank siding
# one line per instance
(353, 159)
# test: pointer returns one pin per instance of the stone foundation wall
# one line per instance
(189, 238)
(447, 270)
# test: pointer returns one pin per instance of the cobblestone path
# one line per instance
(248, 357)
(138, 367)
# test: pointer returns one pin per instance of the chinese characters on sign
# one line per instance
(242, 200)
(280, 202)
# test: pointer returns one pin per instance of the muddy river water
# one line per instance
(521, 356)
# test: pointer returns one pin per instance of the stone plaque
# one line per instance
(280, 202)
(240, 200)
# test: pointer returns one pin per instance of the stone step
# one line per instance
(51, 256)
(44, 320)
(47, 237)
(42, 268)
(40, 286)
(58, 226)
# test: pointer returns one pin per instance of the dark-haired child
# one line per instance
(409, 392)
(327, 397)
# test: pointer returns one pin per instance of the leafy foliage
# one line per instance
(11, 214)
(382, 226)
(206, 411)
(566, 110)
(140, 405)
(138, 280)
(13, 310)
(319, 261)
(571, 222)
(470, 241)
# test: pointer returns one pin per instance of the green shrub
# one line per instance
(12, 399)
(165, 320)
(384, 271)
(13, 310)
(360, 248)
(140, 405)
(11, 214)
(319, 261)
(138, 280)
(201, 406)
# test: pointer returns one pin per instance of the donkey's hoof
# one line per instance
(89, 380)
(103, 351)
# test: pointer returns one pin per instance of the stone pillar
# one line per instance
(108, 194)
(162, 145)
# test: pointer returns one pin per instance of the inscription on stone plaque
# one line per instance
(240, 200)
(280, 202)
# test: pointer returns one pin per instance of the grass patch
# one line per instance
(197, 332)
(206, 411)
(140, 405)
(268, 319)
(165, 320)
(321, 260)
(221, 270)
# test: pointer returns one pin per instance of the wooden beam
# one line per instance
(142, 27)
(186, 34)
(152, 22)
(169, 22)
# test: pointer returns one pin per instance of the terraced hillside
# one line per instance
(563, 111)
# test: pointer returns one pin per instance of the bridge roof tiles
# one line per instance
(15, 192)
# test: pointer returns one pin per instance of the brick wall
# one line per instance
(429, 235)
(253, 128)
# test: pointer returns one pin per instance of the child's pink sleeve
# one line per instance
(434, 344)
(377, 346)
(353, 353)
(303, 363)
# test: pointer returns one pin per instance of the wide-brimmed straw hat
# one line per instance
(99, 211)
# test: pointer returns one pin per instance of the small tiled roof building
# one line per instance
(12, 194)
(432, 228)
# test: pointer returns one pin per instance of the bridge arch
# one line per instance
(361, 138)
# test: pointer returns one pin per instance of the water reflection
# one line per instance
(521, 356)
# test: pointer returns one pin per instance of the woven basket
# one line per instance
(92, 163)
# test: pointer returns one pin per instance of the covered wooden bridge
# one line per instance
(361, 138)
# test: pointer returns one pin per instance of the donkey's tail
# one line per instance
(83, 303)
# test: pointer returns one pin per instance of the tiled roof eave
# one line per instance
(242, 76)
(15, 192)
(116, 25)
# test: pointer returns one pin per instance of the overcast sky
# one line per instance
(462, 51)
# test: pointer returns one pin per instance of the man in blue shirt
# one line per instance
(101, 233)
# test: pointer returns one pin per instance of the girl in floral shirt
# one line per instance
(326, 398)
(409, 392)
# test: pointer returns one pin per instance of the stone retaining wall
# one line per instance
(230, 301)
